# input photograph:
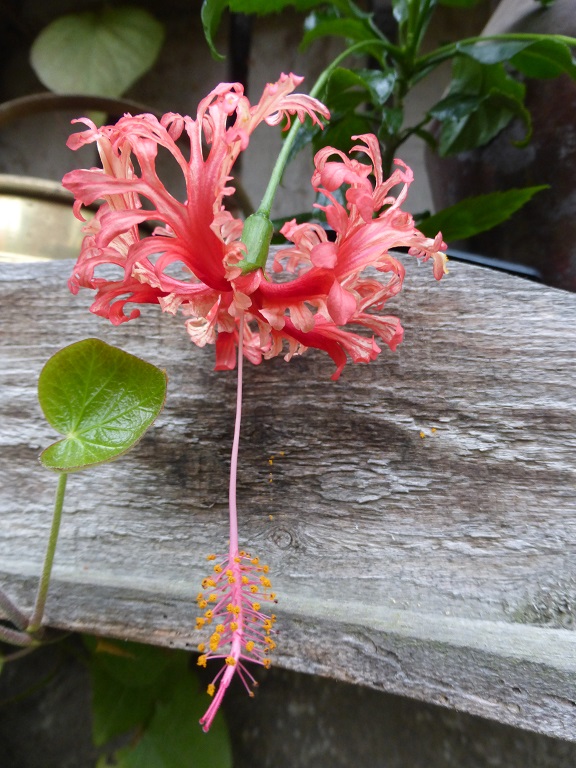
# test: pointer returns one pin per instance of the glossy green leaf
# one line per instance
(212, 11)
(482, 100)
(101, 399)
(477, 214)
(211, 15)
(101, 52)
(543, 58)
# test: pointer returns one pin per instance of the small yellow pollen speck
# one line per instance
(231, 661)
(202, 660)
(282, 453)
(434, 429)
(211, 690)
(271, 460)
(270, 517)
(270, 479)
(422, 434)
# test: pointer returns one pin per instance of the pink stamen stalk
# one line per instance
(242, 631)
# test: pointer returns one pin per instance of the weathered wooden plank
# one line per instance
(443, 567)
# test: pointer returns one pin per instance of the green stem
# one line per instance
(282, 160)
(38, 613)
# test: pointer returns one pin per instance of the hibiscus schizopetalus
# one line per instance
(203, 262)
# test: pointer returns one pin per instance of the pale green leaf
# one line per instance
(101, 399)
(99, 53)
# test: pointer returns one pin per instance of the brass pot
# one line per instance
(36, 221)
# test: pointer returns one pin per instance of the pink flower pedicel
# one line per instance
(201, 261)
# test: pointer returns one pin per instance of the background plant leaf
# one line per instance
(481, 102)
(101, 398)
(100, 53)
(477, 214)
(152, 695)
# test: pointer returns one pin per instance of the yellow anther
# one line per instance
(233, 626)
(201, 647)
(270, 643)
(200, 596)
(237, 559)
(231, 580)
(250, 646)
(219, 628)
(265, 568)
(213, 597)
(255, 560)
(217, 569)
(231, 661)
(229, 572)
(422, 434)
(211, 557)
(256, 606)
(208, 583)
(254, 589)
(211, 690)
(202, 660)
(209, 614)
(245, 580)
(200, 621)
(267, 663)
(202, 603)
(265, 581)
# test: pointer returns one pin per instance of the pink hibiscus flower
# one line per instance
(193, 261)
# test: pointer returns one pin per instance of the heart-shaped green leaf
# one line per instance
(101, 399)
(100, 53)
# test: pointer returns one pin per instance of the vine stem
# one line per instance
(284, 155)
(235, 444)
(38, 613)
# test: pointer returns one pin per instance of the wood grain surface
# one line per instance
(440, 567)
